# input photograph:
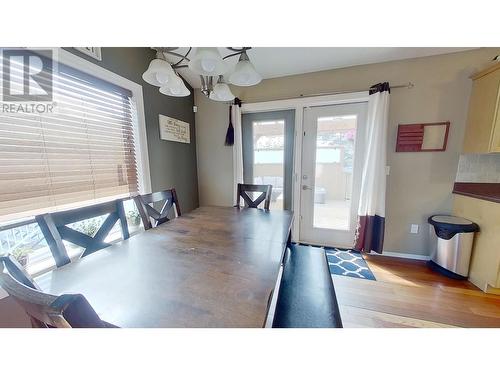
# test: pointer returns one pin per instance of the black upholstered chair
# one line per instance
(149, 214)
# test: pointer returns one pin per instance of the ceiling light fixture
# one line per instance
(159, 71)
(244, 74)
(209, 64)
(221, 91)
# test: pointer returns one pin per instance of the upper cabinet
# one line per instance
(482, 133)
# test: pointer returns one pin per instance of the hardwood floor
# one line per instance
(408, 294)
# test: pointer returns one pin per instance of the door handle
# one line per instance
(305, 187)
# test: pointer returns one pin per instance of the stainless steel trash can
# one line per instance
(451, 239)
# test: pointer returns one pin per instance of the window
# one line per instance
(82, 153)
(269, 158)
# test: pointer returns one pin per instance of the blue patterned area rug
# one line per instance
(347, 263)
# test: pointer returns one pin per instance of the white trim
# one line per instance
(297, 170)
(89, 67)
(237, 150)
(298, 105)
(384, 254)
(402, 255)
(315, 101)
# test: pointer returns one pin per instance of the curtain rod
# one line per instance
(408, 85)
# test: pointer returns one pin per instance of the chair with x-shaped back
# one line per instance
(46, 310)
(265, 195)
(148, 213)
(17, 271)
(54, 227)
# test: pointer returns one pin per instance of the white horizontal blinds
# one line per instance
(82, 153)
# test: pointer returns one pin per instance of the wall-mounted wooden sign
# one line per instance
(422, 137)
(174, 130)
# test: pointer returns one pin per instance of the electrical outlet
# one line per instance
(414, 228)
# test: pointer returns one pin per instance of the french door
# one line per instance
(332, 150)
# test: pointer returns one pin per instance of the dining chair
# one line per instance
(265, 196)
(17, 271)
(54, 227)
(49, 311)
(148, 213)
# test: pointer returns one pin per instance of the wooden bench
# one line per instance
(306, 297)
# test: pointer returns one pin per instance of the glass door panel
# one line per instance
(268, 139)
(335, 140)
(269, 158)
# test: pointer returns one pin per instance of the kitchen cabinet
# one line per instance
(484, 269)
(482, 134)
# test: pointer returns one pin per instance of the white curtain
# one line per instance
(237, 150)
(371, 210)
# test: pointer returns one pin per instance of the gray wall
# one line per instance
(420, 184)
(215, 160)
(172, 164)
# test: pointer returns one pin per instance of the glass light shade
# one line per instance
(222, 93)
(244, 74)
(175, 87)
(207, 61)
(159, 72)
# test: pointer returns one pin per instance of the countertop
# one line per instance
(486, 191)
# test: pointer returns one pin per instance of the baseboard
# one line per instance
(385, 253)
(492, 290)
(403, 255)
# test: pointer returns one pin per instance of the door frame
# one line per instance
(299, 104)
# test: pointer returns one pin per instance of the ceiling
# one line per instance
(273, 62)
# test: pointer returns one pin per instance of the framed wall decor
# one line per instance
(425, 137)
(174, 130)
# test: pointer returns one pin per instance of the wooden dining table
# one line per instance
(212, 267)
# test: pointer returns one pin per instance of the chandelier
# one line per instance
(208, 63)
